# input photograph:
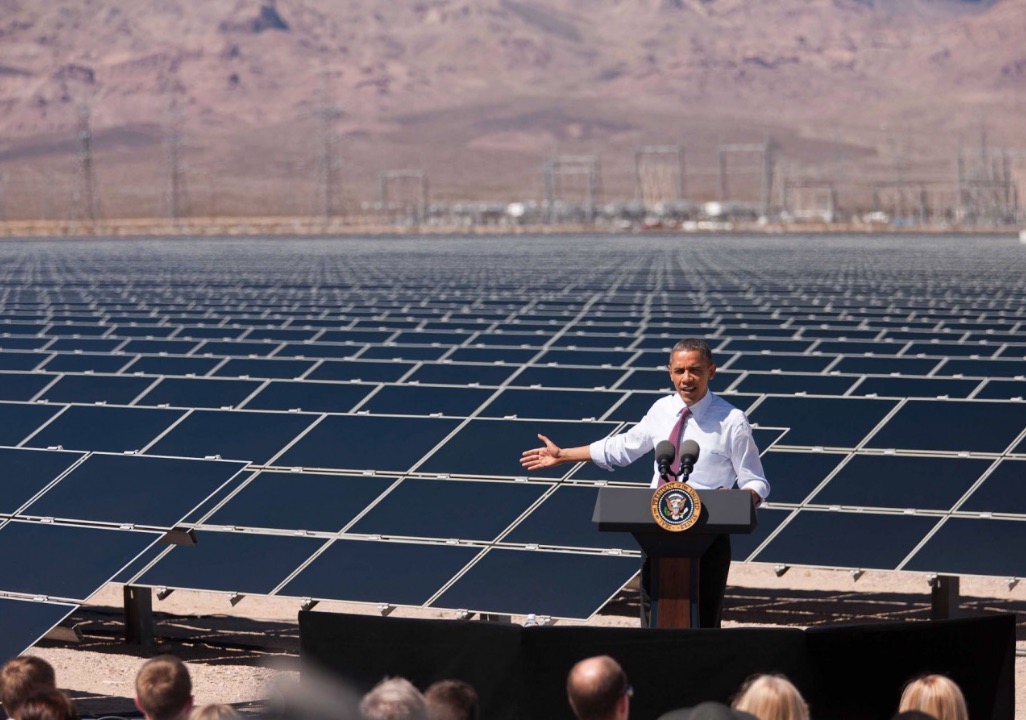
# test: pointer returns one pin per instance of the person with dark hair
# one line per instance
(728, 457)
(451, 700)
(597, 689)
(163, 689)
(48, 705)
(21, 678)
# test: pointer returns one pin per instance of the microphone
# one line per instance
(665, 453)
(688, 457)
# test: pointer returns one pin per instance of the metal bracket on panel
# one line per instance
(781, 569)
(496, 618)
(464, 614)
(1012, 582)
(857, 573)
(308, 604)
(62, 633)
(163, 592)
(235, 598)
(384, 609)
(179, 536)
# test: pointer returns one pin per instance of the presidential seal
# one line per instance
(676, 506)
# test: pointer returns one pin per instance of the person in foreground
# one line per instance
(23, 677)
(709, 710)
(728, 457)
(597, 689)
(163, 689)
(451, 700)
(934, 695)
(393, 699)
(771, 697)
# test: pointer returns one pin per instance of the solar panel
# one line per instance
(27, 472)
(24, 622)
(885, 409)
(352, 569)
(22, 386)
(442, 509)
(199, 392)
(132, 490)
(846, 539)
(104, 428)
(232, 434)
(562, 584)
(360, 442)
(952, 426)
(115, 389)
(310, 502)
(65, 562)
(247, 563)
(426, 400)
(901, 482)
(822, 422)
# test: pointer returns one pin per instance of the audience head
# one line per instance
(771, 697)
(708, 711)
(393, 699)
(597, 689)
(48, 705)
(215, 711)
(163, 689)
(451, 700)
(934, 695)
(21, 678)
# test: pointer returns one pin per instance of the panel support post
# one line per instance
(944, 598)
(138, 615)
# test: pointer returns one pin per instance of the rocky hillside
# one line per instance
(251, 95)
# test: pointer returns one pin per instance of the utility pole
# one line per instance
(86, 161)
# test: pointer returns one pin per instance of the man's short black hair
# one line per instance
(690, 344)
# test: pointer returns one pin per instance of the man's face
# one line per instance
(690, 374)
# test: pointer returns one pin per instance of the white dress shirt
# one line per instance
(727, 451)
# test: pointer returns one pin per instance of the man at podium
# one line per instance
(728, 457)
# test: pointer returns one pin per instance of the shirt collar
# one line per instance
(699, 407)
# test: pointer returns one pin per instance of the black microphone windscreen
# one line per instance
(665, 451)
(689, 450)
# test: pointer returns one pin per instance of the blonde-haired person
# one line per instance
(215, 711)
(935, 695)
(771, 697)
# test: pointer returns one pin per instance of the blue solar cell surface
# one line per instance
(387, 387)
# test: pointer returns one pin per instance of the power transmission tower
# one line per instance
(566, 177)
(659, 174)
(86, 163)
(174, 156)
(765, 152)
(404, 195)
(328, 161)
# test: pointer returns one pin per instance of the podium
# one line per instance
(675, 556)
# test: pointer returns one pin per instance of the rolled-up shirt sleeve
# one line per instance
(745, 458)
(624, 448)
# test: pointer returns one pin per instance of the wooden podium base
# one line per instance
(675, 593)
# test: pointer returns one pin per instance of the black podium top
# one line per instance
(630, 510)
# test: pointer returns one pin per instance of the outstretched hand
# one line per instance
(543, 457)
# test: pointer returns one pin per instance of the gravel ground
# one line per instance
(236, 652)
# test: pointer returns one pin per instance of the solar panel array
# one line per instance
(343, 419)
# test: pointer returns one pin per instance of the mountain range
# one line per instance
(263, 106)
